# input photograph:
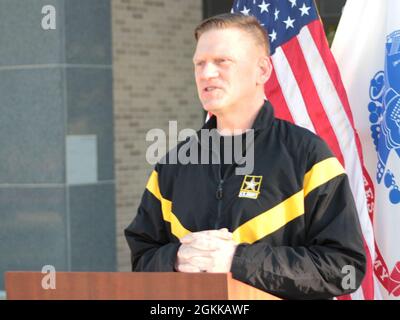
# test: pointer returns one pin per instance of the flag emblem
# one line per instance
(384, 115)
(250, 187)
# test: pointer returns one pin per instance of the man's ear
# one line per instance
(265, 69)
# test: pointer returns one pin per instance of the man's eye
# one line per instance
(199, 64)
(223, 61)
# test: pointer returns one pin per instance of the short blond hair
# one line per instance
(249, 24)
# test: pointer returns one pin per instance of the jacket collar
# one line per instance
(263, 120)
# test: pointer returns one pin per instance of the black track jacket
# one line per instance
(293, 217)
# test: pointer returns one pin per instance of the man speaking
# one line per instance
(289, 226)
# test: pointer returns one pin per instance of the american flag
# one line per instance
(306, 88)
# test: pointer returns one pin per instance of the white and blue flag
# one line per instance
(367, 51)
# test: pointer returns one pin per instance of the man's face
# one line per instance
(226, 69)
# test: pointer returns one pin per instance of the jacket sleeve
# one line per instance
(147, 237)
(317, 269)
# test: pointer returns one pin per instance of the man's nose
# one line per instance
(210, 70)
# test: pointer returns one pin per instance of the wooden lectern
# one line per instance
(131, 286)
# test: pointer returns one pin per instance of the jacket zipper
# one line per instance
(219, 194)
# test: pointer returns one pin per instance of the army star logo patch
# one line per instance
(250, 187)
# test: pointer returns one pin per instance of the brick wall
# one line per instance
(153, 83)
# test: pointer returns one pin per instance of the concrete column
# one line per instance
(57, 185)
